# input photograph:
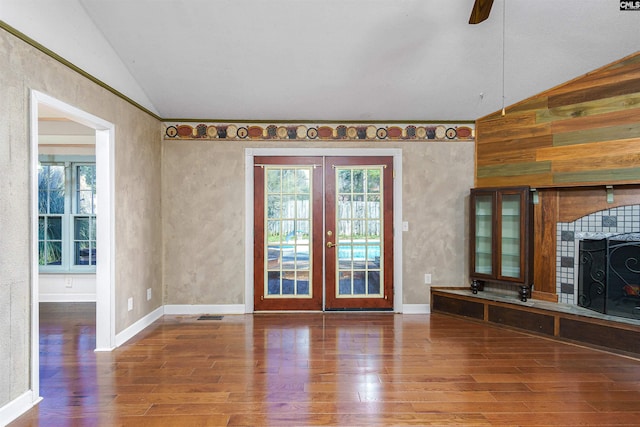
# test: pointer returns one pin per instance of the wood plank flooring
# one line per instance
(337, 369)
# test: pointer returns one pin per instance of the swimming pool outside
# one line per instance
(355, 251)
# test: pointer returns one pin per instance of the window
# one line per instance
(51, 201)
(67, 206)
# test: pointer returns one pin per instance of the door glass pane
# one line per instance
(484, 241)
(303, 229)
(344, 181)
(273, 283)
(510, 245)
(274, 180)
(273, 207)
(345, 283)
(302, 282)
(289, 177)
(303, 181)
(288, 206)
(373, 282)
(359, 282)
(360, 226)
(288, 238)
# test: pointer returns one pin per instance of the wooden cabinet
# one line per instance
(501, 238)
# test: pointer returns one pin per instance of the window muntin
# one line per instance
(84, 242)
(67, 206)
(360, 228)
(85, 180)
(288, 240)
(51, 207)
(84, 221)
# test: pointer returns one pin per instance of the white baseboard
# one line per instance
(17, 407)
(204, 309)
(185, 309)
(139, 326)
(416, 308)
(67, 298)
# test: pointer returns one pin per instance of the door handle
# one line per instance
(331, 244)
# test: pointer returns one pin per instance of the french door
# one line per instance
(323, 233)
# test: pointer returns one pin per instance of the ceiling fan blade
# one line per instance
(480, 12)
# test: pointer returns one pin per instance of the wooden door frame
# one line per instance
(313, 301)
(357, 301)
(396, 153)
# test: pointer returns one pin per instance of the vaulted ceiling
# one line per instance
(329, 60)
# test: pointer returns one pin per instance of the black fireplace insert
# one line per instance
(609, 275)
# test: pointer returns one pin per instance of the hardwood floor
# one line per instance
(338, 369)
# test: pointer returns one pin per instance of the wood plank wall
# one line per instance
(584, 132)
(568, 142)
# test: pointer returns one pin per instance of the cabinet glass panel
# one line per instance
(510, 239)
(484, 233)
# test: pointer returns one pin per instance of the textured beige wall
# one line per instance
(437, 179)
(14, 227)
(138, 258)
(204, 216)
(137, 199)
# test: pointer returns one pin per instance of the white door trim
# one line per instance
(396, 153)
(105, 233)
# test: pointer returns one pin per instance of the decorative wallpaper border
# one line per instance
(310, 132)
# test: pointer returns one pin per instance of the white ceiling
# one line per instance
(326, 59)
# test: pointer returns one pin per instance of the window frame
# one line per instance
(71, 195)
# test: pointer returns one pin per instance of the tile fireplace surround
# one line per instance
(602, 224)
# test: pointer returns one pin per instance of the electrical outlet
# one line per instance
(68, 282)
(148, 294)
(130, 304)
(405, 226)
(427, 279)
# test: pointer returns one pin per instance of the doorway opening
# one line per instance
(41, 105)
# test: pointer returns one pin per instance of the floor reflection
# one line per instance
(337, 369)
(68, 368)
